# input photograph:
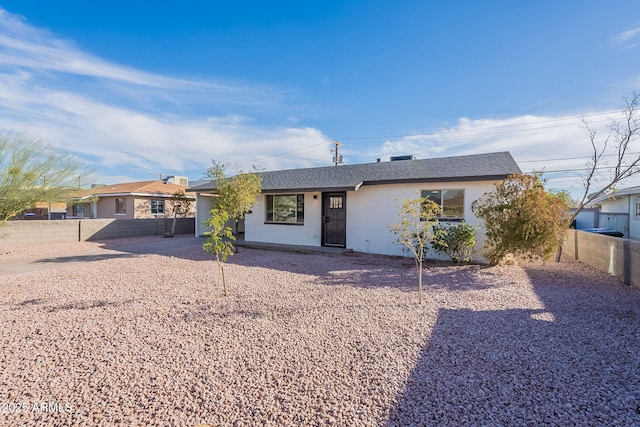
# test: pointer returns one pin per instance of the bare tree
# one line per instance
(623, 133)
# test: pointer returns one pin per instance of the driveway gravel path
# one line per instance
(136, 332)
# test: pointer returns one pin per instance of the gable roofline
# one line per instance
(619, 193)
(155, 188)
(475, 167)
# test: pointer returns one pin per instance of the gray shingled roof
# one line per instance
(476, 167)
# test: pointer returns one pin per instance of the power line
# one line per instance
(453, 132)
(569, 158)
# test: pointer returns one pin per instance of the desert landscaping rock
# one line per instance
(143, 338)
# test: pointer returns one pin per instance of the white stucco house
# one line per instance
(352, 206)
(620, 210)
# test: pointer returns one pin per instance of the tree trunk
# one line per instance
(224, 282)
(173, 224)
(420, 281)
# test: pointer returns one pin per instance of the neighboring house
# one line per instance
(44, 211)
(131, 200)
(352, 206)
(620, 210)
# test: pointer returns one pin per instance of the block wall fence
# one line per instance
(27, 232)
(613, 255)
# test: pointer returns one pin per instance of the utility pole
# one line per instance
(337, 158)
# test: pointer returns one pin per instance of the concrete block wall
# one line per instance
(15, 233)
(30, 232)
(613, 255)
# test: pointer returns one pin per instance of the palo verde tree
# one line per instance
(621, 144)
(220, 241)
(32, 172)
(414, 229)
(235, 195)
(180, 203)
(522, 219)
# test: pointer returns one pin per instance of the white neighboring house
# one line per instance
(352, 206)
(621, 211)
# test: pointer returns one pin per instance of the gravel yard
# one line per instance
(108, 336)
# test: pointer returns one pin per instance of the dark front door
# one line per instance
(334, 219)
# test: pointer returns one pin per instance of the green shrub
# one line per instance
(457, 241)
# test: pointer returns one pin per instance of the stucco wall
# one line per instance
(616, 256)
(307, 234)
(107, 208)
(370, 212)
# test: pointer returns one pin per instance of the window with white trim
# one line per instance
(157, 206)
(636, 210)
(450, 201)
(285, 208)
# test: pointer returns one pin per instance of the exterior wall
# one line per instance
(612, 255)
(587, 218)
(622, 215)
(202, 209)
(619, 205)
(107, 208)
(307, 234)
(372, 210)
(15, 233)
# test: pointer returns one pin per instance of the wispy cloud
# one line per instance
(557, 146)
(628, 38)
(131, 120)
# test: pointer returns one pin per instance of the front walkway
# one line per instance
(289, 248)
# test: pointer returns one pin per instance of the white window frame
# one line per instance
(155, 204)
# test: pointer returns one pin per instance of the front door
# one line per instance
(334, 219)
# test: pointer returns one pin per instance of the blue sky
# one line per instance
(143, 88)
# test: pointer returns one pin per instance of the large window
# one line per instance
(121, 206)
(285, 208)
(451, 202)
(157, 206)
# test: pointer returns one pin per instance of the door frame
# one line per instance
(324, 196)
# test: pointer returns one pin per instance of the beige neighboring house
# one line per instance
(130, 200)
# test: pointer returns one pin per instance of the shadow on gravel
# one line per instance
(80, 305)
(82, 258)
(365, 270)
(573, 363)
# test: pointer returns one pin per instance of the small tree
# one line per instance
(235, 195)
(219, 241)
(180, 204)
(522, 219)
(619, 144)
(457, 241)
(414, 229)
(33, 172)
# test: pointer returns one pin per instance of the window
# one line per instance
(157, 206)
(77, 210)
(451, 202)
(636, 210)
(285, 208)
(335, 202)
(121, 206)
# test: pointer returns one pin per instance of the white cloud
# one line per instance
(137, 122)
(627, 36)
(555, 145)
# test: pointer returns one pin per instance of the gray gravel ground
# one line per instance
(143, 338)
